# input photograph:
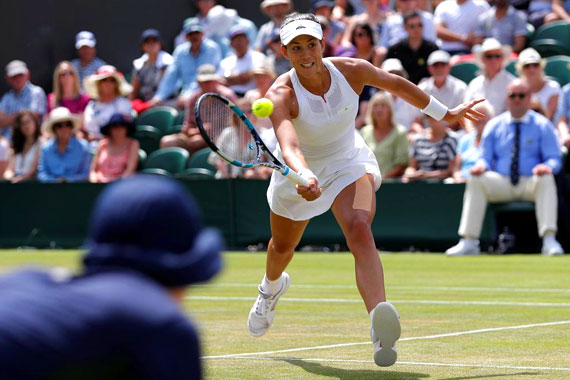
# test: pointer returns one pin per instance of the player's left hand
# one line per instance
(462, 112)
(310, 192)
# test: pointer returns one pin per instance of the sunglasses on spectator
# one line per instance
(64, 73)
(416, 26)
(520, 95)
(150, 40)
(68, 124)
(493, 56)
(439, 64)
(361, 34)
(108, 79)
(530, 65)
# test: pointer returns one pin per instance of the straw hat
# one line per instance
(491, 44)
(58, 115)
(106, 71)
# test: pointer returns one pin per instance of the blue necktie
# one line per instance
(515, 154)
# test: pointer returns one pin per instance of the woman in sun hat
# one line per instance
(530, 66)
(108, 90)
(315, 108)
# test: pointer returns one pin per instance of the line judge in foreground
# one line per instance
(315, 108)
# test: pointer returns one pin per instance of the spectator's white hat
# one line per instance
(16, 67)
(528, 56)
(207, 72)
(85, 38)
(394, 65)
(490, 44)
(267, 3)
(438, 56)
(58, 115)
(265, 66)
(106, 71)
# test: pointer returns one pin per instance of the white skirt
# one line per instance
(334, 173)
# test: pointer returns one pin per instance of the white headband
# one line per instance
(299, 27)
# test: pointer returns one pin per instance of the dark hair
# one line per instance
(411, 14)
(296, 16)
(18, 138)
(365, 26)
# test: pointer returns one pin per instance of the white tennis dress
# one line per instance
(332, 147)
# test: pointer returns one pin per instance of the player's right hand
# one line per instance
(310, 192)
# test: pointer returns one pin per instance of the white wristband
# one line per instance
(435, 109)
(306, 173)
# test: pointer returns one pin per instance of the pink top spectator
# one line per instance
(111, 167)
(76, 106)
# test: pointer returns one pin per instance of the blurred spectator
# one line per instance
(387, 140)
(560, 11)
(117, 155)
(121, 317)
(520, 155)
(492, 83)
(364, 46)
(88, 62)
(540, 12)
(26, 141)
(373, 16)
(324, 8)
(108, 89)
(189, 138)
(393, 30)
(455, 22)
(263, 77)
(563, 116)
(23, 96)
(530, 66)
(276, 10)
(414, 50)
(469, 145)
(66, 90)
(432, 153)
(4, 156)
(236, 67)
(148, 69)
(280, 63)
(406, 115)
(187, 58)
(330, 47)
(503, 23)
(64, 157)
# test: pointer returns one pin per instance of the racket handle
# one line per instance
(295, 177)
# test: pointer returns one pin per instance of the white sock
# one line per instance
(271, 287)
(549, 237)
(470, 241)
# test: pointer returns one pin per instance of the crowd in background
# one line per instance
(84, 129)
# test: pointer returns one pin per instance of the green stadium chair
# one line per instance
(177, 128)
(156, 171)
(465, 71)
(148, 137)
(197, 173)
(552, 39)
(199, 159)
(558, 67)
(142, 159)
(511, 68)
(180, 118)
(161, 117)
(173, 160)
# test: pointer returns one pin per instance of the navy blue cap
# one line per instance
(150, 33)
(236, 30)
(319, 3)
(151, 224)
(118, 119)
(192, 25)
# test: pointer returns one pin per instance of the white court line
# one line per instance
(458, 333)
(403, 287)
(355, 300)
(427, 364)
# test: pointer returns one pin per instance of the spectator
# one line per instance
(4, 156)
(280, 63)
(405, 114)
(108, 89)
(88, 62)
(563, 116)
(330, 47)
(560, 11)
(540, 12)
(122, 316)
(455, 23)
(373, 16)
(432, 153)
(148, 69)
(503, 23)
(469, 145)
(189, 138)
(492, 83)
(263, 77)
(187, 58)
(324, 8)
(236, 67)
(530, 66)
(117, 155)
(520, 155)
(26, 141)
(66, 90)
(414, 50)
(23, 96)
(276, 10)
(387, 140)
(364, 45)
(64, 157)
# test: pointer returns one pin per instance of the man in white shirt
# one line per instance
(455, 23)
(393, 30)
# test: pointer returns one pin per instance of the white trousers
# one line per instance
(493, 187)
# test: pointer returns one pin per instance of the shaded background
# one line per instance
(42, 32)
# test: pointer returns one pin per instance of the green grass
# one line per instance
(434, 295)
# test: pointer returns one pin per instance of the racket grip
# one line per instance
(295, 177)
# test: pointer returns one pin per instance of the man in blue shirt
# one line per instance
(187, 58)
(23, 96)
(122, 317)
(64, 157)
(520, 155)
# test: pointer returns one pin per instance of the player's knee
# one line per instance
(359, 228)
(282, 247)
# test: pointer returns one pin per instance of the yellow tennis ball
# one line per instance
(262, 107)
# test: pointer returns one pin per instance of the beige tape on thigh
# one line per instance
(363, 194)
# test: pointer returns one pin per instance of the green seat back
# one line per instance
(148, 137)
(552, 39)
(465, 71)
(173, 160)
(199, 159)
(180, 118)
(511, 68)
(162, 118)
(197, 173)
(558, 67)
(142, 159)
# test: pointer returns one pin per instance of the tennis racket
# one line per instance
(230, 134)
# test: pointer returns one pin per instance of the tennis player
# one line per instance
(315, 108)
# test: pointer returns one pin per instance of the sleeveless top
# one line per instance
(332, 148)
(111, 167)
(23, 161)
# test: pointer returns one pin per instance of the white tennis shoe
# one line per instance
(385, 331)
(263, 310)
